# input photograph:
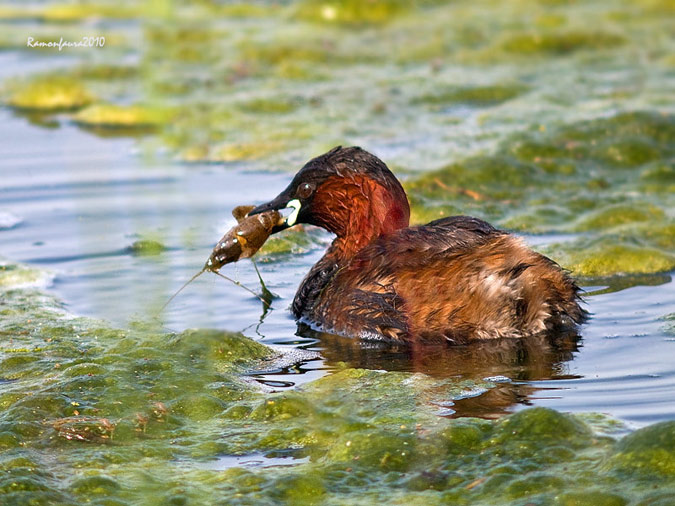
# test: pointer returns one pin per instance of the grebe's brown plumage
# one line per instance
(454, 280)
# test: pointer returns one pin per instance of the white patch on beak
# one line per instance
(295, 205)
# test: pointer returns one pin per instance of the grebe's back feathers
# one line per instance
(421, 282)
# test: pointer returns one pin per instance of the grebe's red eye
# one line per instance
(305, 190)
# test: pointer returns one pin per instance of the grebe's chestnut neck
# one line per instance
(349, 192)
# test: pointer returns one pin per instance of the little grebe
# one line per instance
(455, 279)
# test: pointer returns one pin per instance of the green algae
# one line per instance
(65, 13)
(648, 453)
(75, 12)
(105, 72)
(89, 372)
(607, 256)
(596, 497)
(269, 106)
(13, 13)
(619, 214)
(130, 414)
(496, 178)
(474, 95)
(541, 427)
(659, 177)
(305, 50)
(232, 152)
(188, 42)
(226, 348)
(561, 42)
(584, 177)
(146, 247)
(49, 93)
(17, 275)
(247, 10)
(116, 117)
(421, 214)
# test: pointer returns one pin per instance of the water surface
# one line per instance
(84, 201)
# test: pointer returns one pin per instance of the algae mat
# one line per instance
(97, 415)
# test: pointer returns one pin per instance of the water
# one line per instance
(83, 201)
(253, 461)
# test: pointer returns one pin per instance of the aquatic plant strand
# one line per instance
(224, 277)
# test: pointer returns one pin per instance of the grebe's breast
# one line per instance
(454, 280)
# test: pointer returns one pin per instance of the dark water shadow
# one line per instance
(509, 363)
(40, 118)
(112, 130)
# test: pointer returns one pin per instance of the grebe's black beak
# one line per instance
(273, 205)
(280, 203)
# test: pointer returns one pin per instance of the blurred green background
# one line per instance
(539, 115)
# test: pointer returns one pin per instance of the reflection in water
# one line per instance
(618, 283)
(508, 362)
(38, 118)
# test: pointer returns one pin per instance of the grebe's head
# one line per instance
(347, 191)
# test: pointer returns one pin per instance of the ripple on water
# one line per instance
(8, 220)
